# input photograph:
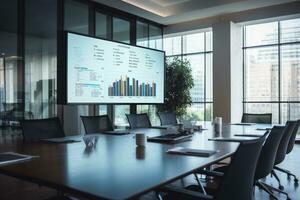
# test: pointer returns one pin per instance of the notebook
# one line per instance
(192, 152)
(234, 139)
(62, 140)
(264, 129)
(117, 132)
(249, 135)
(7, 158)
(169, 138)
(243, 124)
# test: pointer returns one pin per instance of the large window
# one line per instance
(11, 68)
(272, 69)
(40, 58)
(197, 48)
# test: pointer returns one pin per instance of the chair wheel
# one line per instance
(281, 187)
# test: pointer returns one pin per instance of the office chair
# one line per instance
(235, 185)
(257, 118)
(96, 124)
(35, 129)
(138, 120)
(265, 162)
(167, 118)
(289, 149)
(267, 159)
(283, 147)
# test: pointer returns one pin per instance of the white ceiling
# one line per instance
(175, 11)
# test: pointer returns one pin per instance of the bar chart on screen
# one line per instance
(127, 86)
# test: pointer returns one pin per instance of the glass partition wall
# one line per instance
(30, 52)
(272, 69)
(11, 64)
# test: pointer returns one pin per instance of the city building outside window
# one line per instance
(272, 69)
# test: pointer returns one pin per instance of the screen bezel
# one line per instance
(110, 103)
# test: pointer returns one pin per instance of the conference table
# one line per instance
(116, 168)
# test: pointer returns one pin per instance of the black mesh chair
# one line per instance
(267, 159)
(283, 146)
(265, 162)
(96, 124)
(289, 150)
(138, 120)
(257, 118)
(167, 118)
(36, 129)
(236, 183)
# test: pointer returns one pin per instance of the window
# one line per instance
(197, 48)
(11, 70)
(101, 25)
(142, 34)
(76, 17)
(40, 58)
(272, 69)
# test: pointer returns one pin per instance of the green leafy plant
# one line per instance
(179, 81)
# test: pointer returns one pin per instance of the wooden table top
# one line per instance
(116, 168)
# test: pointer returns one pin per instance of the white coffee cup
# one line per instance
(140, 139)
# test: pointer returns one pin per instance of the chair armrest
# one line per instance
(185, 193)
(210, 173)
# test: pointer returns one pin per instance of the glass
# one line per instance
(195, 112)
(209, 77)
(264, 108)
(121, 30)
(290, 72)
(155, 37)
(193, 43)
(197, 65)
(290, 30)
(142, 34)
(120, 115)
(101, 25)
(208, 112)
(290, 111)
(261, 74)
(11, 69)
(102, 109)
(261, 34)
(40, 58)
(2, 84)
(208, 41)
(172, 45)
(76, 17)
(151, 110)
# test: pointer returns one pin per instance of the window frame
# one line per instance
(206, 52)
(277, 45)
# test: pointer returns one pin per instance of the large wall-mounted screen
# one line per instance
(102, 71)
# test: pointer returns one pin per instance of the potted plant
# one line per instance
(179, 81)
